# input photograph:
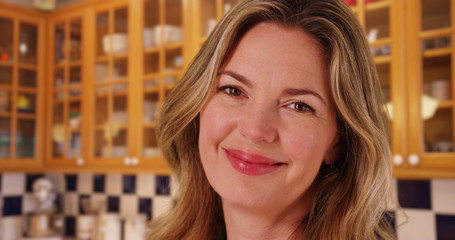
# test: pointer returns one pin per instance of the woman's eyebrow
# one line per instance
(305, 91)
(236, 76)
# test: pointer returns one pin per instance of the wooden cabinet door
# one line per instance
(21, 88)
(66, 135)
(430, 71)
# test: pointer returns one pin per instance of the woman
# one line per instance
(276, 130)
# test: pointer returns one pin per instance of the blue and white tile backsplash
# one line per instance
(125, 195)
(429, 204)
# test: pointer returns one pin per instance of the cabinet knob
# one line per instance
(413, 159)
(80, 162)
(397, 159)
(127, 161)
(135, 161)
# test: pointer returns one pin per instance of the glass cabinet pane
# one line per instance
(208, 17)
(6, 75)
(435, 14)
(25, 138)
(174, 59)
(120, 113)
(101, 149)
(5, 137)
(6, 41)
(59, 43)
(150, 107)
(26, 103)
(120, 68)
(75, 76)
(150, 143)
(119, 39)
(151, 63)
(101, 71)
(151, 32)
(101, 111)
(5, 101)
(28, 43)
(58, 130)
(76, 40)
(437, 104)
(119, 148)
(172, 30)
(27, 78)
(102, 34)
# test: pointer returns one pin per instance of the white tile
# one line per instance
(145, 185)
(57, 180)
(13, 184)
(11, 227)
(98, 202)
(29, 203)
(113, 184)
(420, 225)
(71, 204)
(85, 183)
(443, 196)
(161, 204)
(129, 205)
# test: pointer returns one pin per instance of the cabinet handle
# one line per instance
(398, 159)
(135, 161)
(127, 161)
(413, 159)
(80, 162)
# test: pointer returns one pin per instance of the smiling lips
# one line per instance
(249, 164)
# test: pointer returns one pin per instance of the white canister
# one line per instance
(440, 89)
(109, 227)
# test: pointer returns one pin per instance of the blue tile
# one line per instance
(83, 198)
(163, 185)
(99, 183)
(145, 206)
(70, 226)
(129, 184)
(71, 183)
(12, 206)
(445, 227)
(113, 204)
(414, 194)
(30, 179)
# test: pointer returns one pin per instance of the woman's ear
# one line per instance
(334, 152)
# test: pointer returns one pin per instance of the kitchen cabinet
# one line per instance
(429, 78)
(164, 56)
(22, 41)
(67, 77)
(99, 121)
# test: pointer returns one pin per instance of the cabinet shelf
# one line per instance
(382, 59)
(381, 42)
(437, 52)
(26, 115)
(377, 5)
(5, 115)
(445, 104)
(29, 67)
(6, 64)
(434, 33)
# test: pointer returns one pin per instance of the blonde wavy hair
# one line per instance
(352, 194)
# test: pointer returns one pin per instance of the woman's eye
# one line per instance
(232, 91)
(301, 107)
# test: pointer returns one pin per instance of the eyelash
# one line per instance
(228, 90)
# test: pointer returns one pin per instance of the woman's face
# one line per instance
(271, 122)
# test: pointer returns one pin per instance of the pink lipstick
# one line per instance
(250, 164)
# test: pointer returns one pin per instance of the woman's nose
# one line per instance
(258, 124)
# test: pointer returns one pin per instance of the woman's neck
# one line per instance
(266, 224)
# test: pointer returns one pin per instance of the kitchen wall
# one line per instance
(429, 204)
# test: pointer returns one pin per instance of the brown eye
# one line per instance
(301, 107)
(234, 92)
